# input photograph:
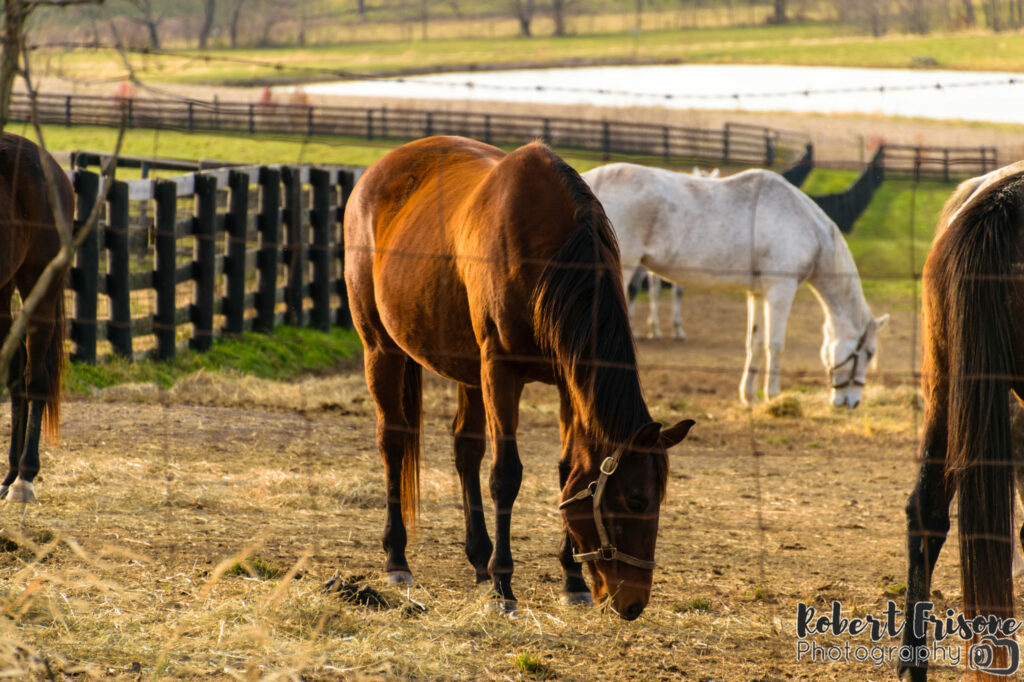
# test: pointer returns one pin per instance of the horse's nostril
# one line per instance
(633, 611)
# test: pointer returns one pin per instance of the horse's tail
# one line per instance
(55, 358)
(412, 406)
(980, 248)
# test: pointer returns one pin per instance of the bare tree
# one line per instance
(150, 20)
(558, 15)
(209, 11)
(915, 15)
(236, 16)
(524, 12)
(780, 12)
(969, 16)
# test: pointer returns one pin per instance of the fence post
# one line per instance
(320, 218)
(917, 164)
(119, 328)
(666, 150)
(606, 139)
(269, 256)
(191, 116)
(342, 317)
(487, 129)
(383, 121)
(204, 269)
(725, 143)
(945, 165)
(67, 111)
(369, 124)
(252, 119)
(547, 130)
(309, 121)
(429, 125)
(236, 224)
(294, 253)
(166, 194)
(769, 149)
(85, 275)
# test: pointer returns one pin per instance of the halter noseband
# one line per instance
(854, 357)
(607, 551)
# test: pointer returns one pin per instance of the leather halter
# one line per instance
(854, 357)
(607, 551)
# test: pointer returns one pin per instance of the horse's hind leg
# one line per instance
(755, 328)
(677, 312)
(927, 527)
(397, 436)
(17, 385)
(470, 444)
(41, 365)
(654, 295)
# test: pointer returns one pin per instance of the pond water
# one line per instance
(966, 95)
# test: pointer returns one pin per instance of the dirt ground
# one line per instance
(120, 571)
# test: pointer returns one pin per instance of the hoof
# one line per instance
(21, 491)
(483, 578)
(680, 336)
(400, 578)
(577, 599)
(3, 491)
(505, 607)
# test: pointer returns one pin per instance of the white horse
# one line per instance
(756, 232)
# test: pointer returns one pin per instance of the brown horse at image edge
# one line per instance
(30, 241)
(495, 270)
(973, 356)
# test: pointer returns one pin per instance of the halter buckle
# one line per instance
(607, 553)
(609, 465)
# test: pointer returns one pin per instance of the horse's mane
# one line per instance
(581, 320)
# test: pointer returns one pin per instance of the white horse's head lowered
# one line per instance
(847, 359)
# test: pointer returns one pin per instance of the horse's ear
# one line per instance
(881, 321)
(673, 435)
(647, 437)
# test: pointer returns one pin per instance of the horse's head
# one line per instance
(611, 510)
(846, 361)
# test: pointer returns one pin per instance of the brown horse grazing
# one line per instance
(495, 270)
(30, 241)
(973, 323)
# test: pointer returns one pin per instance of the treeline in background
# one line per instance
(156, 24)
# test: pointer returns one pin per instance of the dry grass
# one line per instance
(153, 497)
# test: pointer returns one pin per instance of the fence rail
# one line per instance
(221, 252)
(938, 163)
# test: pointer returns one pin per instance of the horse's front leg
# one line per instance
(574, 589)
(470, 444)
(927, 526)
(777, 303)
(501, 389)
(653, 296)
(755, 328)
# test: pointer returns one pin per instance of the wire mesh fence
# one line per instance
(189, 531)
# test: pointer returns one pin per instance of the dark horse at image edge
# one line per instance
(495, 270)
(30, 241)
(973, 356)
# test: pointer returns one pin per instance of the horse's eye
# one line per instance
(637, 505)
(870, 353)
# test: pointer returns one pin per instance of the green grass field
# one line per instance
(802, 44)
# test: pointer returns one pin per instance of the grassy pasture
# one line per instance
(802, 44)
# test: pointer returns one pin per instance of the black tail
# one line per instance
(981, 246)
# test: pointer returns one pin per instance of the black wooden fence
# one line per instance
(733, 144)
(208, 253)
